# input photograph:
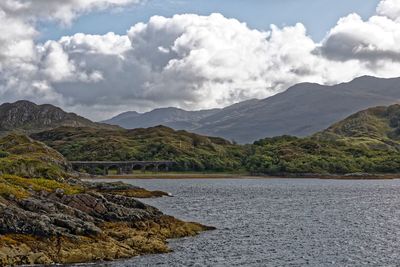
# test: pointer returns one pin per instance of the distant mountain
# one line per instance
(302, 110)
(28, 117)
(171, 117)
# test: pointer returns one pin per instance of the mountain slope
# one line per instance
(28, 117)
(302, 110)
(171, 117)
(366, 142)
(381, 123)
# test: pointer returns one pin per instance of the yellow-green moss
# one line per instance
(41, 184)
(7, 190)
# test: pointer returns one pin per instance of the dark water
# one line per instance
(281, 222)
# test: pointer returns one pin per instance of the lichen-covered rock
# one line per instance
(124, 189)
(54, 227)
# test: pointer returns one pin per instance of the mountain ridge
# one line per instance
(301, 110)
(177, 118)
(28, 117)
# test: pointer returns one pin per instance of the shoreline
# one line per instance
(98, 222)
(216, 176)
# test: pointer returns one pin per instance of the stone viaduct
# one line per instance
(122, 167)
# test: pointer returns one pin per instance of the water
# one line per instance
(281, 222)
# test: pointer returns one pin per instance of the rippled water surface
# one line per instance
(281, 222)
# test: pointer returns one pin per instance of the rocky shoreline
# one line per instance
(95, 225)
(48, 215)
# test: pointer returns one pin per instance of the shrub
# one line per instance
(4, 154)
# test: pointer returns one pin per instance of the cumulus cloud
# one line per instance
(374, 40)
(62, 10)
(389, 8)
(188, 61)
(27, 69)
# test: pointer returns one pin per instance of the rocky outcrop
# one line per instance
(54, 227)
(128, 190)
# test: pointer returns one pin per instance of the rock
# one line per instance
(54, 227)
(124, 189)
(59, 192)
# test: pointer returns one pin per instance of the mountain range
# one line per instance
(300, 111)
(367, 142)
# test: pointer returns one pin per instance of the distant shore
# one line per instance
(200, 175)
(177, 175)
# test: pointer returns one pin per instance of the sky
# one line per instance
(317, 15)
(102, 57)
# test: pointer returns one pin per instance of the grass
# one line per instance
(7, 190)
(41, 184)
(22, 156)
(21, 187)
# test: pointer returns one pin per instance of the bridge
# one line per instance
(122, 167)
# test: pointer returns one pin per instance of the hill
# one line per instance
(28, 117)
(302, 110)
(190, 151)
(22, 156)
(366, 142)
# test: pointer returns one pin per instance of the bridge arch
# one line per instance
(120, 167)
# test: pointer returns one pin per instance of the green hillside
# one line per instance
(22, 156)
(190, 151)
(366, 142)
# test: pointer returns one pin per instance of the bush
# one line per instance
(4, 154)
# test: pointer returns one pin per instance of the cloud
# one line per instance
(373, 40)
(61, 10)
(27, 69)
(389, 8)
(194, 62)
(188, 61)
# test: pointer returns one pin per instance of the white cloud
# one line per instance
(28, 70)
(188, 61)
(389, 8)
(373, 40)
(62, 10)
(196, 62)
